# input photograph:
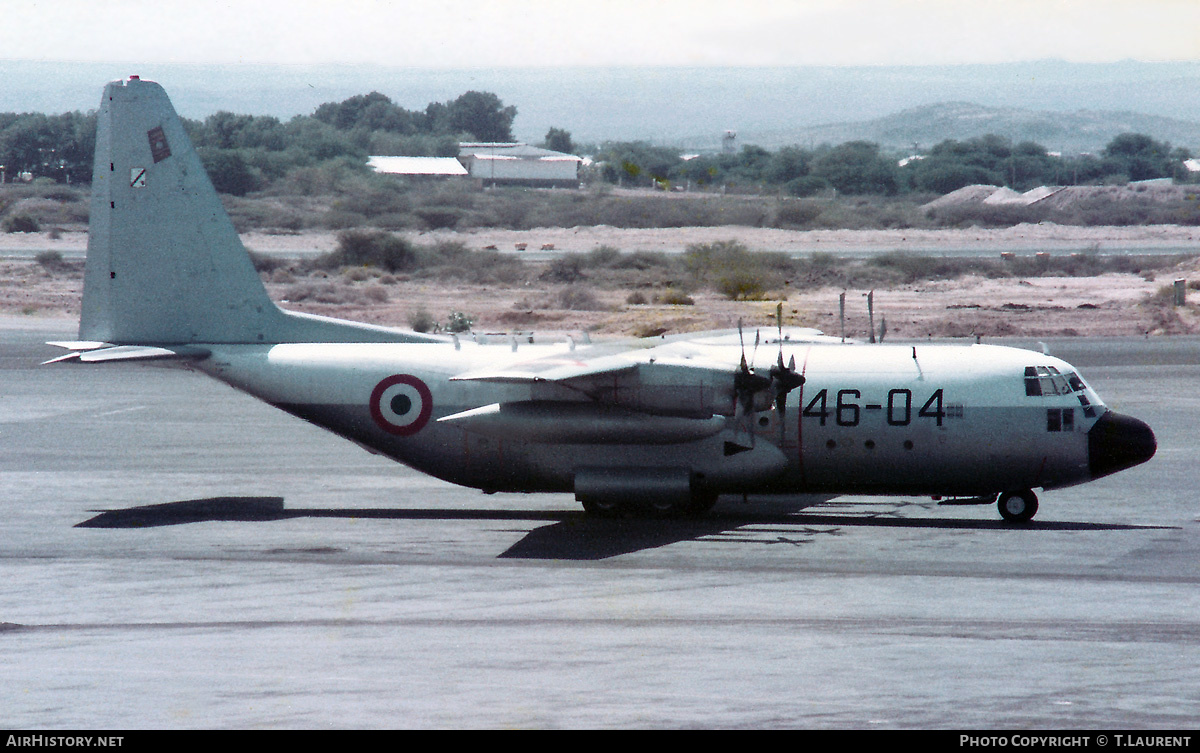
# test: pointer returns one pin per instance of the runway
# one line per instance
(174, 554)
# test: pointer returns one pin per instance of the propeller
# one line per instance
(783, 379)
(746, 383)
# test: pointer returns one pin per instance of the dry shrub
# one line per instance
(797, 213)
(358, 248)
(673, 297)
(578, 298)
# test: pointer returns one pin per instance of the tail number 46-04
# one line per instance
(848, 410)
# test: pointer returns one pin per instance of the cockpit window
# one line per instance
(1047, 380)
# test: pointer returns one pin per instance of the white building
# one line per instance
(418, 167)
(497, 164)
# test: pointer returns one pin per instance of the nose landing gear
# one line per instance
(1018, 507)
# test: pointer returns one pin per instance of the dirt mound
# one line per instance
(1072, 196)
(1059, 198)
(965, 196)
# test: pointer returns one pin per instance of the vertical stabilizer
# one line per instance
(164, 263)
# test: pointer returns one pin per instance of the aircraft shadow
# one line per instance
(254, 509)
(572, 535)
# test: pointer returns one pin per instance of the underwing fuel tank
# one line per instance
(566, 422)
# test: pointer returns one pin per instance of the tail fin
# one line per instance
(164, 263)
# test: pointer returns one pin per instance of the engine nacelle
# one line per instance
(574, 422)
(674, 387)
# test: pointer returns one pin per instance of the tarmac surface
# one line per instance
(174, 554)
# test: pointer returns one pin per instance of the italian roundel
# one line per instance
(401, 404)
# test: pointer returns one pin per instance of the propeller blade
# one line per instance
(742, 341)
(779, 323)
(784, 379)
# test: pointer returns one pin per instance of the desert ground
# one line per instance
(968, 307)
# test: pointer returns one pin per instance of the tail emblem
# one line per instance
(159, 149)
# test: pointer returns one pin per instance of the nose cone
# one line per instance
(1117, 442)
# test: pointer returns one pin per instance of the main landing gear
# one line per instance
(610, 507)
(1018, 507)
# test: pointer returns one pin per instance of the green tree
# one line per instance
(316, 141)
(787, 164)
(371, 110)
(221, 129)
(559, 140)
(704, 170)
(1139, 157)
(944, 176)
(482, 115)
(228, 171)
(857, 167)
(637, 163)
(989, 160)
(53, 146)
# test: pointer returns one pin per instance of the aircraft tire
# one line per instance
(701, 503)
(664, 508)
(1018, 507)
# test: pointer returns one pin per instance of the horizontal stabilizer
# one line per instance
(79, 344)
(128, 353)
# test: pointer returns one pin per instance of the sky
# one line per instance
(561, 33)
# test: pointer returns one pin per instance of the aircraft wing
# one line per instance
(666, 380)
(553, 369)
(692, 350)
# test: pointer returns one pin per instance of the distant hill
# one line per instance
(686, 107)
(918, 128)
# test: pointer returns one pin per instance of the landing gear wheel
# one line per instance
(664, 508)
(1018, 507)
(700, 503)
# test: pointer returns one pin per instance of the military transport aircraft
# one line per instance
(658, 427)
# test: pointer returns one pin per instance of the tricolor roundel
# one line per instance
(401, 404)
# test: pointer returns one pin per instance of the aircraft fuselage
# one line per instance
(894, 419)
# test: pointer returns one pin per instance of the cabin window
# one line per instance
(1060, 419)
(1088, 410)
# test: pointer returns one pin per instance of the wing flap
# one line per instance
(552, 370)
